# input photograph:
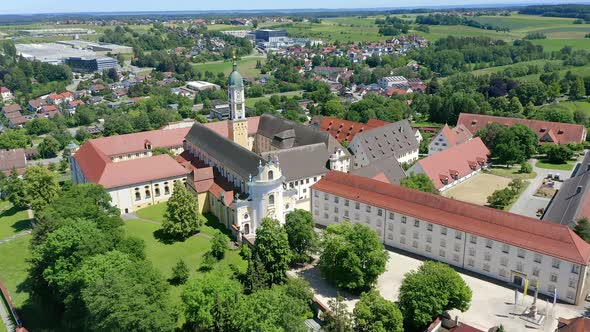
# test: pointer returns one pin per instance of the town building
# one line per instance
(547, 132)
(579, 324)
(13, 159)
(126, 167)
(454, 165)
(5, 94)
(270, 36)
(393, 81)
(447, 138)
(344, 130)
(396, 141)
(91, 65)
(572, 202)
(497, 244)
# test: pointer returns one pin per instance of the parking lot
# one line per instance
(492, 303)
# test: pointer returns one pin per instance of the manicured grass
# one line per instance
(165, 255)
(512, 173)
(247, 67)
(154, 212)
(12, 221)
(250, 102)
(14, 256)
(561, 167)
(570, 106)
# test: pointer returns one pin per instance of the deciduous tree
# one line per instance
(419, 182)
(272, 248)
(182, 218)
(373, 313)
(303, 240)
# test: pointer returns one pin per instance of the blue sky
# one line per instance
(63, 6)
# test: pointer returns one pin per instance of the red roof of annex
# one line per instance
(538, 236)
(344, 129)
(556, 132)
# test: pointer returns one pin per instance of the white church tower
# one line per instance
(237, 124)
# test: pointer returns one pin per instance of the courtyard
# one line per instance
(492, 303)
(477, 188)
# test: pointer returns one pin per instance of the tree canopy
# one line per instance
(303, 239)
(373, 313)
(419, 182)
(353, 256)
(182, 218)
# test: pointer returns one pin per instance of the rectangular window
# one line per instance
(390, 227)
(429, 239)
(404, 219)
(325, 197)
(356, 216)
(429, 227)
(316, 194)
(471, 252)
(390, 236)
(335, 218)
(555, 263)
(487, 257)
(357, 205)
(473, 239)
(416, 223)
(553, 277)
(536, 271)
(521, 253)
(519, 267)
(457, 235)
(443, 243)
(457, 247)
(336, 199)
(391, 216)
(538, 258)
(572, 283)
(575, 269)
(369, 208)
(489, 244)
(504, 261)
(428, 248)
(505, 248)
(379, 212)
(325, 216)
(335, 209)
(346, 213)
(441, 253)
(346, 202)
(443, 230)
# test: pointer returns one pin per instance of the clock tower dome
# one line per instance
(237, 123)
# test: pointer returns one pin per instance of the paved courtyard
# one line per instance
(492, 303)
(477, 188)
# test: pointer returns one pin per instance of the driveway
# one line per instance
(528, 204)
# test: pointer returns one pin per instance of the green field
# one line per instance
(561, 167)
(492, 70)
(246, 66)
(343, 29)
(250, 102)
(570, 106)
(12, 221)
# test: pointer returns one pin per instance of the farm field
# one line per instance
(247, 67)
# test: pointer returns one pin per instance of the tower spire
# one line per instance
(235, 61)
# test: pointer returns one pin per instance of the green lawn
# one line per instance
(14, 256)
(512, 173)
(561, 167)
(12, 221)
(570, 106)
(250, 102)
(247, 67)
(154, 212)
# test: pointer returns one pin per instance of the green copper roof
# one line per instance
(235, 79)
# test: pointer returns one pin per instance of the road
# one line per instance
(528, 204)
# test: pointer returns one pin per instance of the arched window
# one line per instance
(157, 192)
(148, 194)
(137, 196)
(166, 190)
(270, 175)
(246, 229)
(271, 200)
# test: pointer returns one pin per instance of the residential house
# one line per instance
(5, 94)
(447, 138)
(14, 159)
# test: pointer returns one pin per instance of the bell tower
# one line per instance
(237, 123)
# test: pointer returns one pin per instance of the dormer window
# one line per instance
(543, 130)
(559, 132)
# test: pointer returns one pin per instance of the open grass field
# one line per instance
(512, 173)
(477, 189)
(12, 221)
(226, 27)
(570, 106)
(561, 167)
(247, 67)
(250, 102)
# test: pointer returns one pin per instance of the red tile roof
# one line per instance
(458, 161)
(457, 135)
(48, 108)
(98, 167)
(580, 324)
(560, 133)
(11, 108)
(132, 143)
(344, 129)
(539, 236)
(220, 127)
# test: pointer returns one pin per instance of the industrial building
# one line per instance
(90, 65)
(57, 32)
(270, 36)
(99, 48)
